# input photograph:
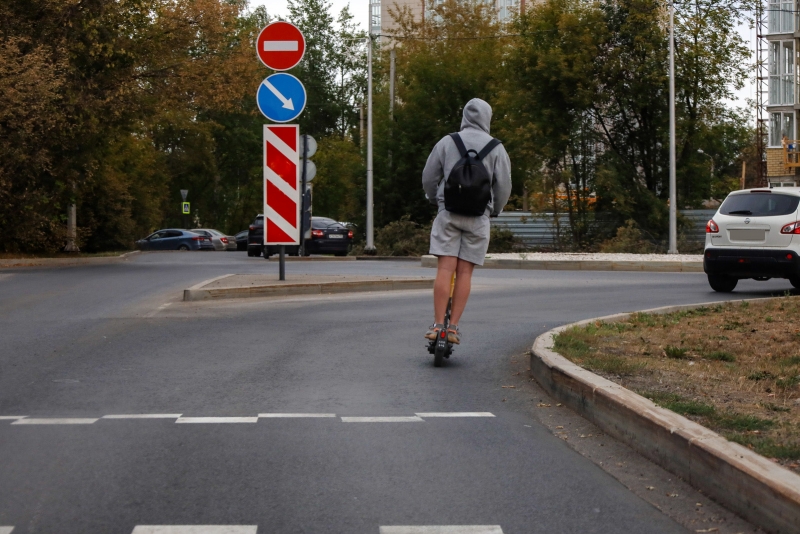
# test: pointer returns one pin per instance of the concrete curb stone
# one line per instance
(749, 484)
(66, 262)
(584, 265)
(197, 292)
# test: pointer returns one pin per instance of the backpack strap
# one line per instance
(459, 144)
(488, 148)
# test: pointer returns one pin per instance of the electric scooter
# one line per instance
(440, 347)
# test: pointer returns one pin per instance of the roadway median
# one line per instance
(231, 286)
(747, 483)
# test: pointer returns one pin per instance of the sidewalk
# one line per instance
(563, 261)
(262, 285)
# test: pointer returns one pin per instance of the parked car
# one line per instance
(220, 240)
(754, 234)
(241, 240)
(328, 237)
(255, 236)
(175, 239)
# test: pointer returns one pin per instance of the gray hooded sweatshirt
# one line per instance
(475, 134)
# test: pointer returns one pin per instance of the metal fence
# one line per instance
(546, 230)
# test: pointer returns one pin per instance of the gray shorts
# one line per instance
(461, 236)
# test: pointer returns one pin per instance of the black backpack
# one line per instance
(468, 188)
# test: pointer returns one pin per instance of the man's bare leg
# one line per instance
(441, 287)
(461, 291)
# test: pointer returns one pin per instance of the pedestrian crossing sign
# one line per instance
(186, 210)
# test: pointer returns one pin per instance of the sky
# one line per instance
(360, 8)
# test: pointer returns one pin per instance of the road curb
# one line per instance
(347, 258)
(585, 265)
(65, 262)
(197, 292)
(745, 482)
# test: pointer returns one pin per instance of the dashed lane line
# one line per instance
(217, 420)
(143, 416)
(294, 415)
(454, 414)
(195, 529)
(413, 419)
(179, 418)
(55, 421)
(443, 529)
(6, 530)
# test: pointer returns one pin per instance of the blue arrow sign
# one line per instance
(281, 97)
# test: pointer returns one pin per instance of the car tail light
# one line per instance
(711, 227)
(224, 240)
(252, 227)
(350, 234)
(317, 233)
(791, 228)
(198, 238)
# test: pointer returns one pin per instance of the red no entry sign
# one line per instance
(280, 46)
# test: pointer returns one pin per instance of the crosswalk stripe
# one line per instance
(6, 530)
(217, 420)
(455, 414)
(11, 417)
(143, 416)
(443, 529)
(294, 415)
(55, 421)
(412, 419)
(195, 529)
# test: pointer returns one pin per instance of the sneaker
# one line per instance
(453, 335)
(433, 331)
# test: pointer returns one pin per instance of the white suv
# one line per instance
(754, 234)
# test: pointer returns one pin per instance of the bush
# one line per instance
(629, 239)
(403, 238)
(502, 240)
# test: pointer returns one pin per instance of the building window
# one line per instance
(780, 124)
(781, 16)
(375, 16)
(781, 72)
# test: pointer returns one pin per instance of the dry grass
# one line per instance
(734, 368)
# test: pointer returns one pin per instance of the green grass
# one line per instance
(728, 420)
(766, 446)
(721, 356)
(676, 353)
(759, 375)
(613, 365)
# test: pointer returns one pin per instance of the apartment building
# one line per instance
(381, 21)
(782, 94)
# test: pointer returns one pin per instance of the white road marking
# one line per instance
(5, 277)
(55, 421)
(195, 529)
(412, 419)
(292, 415)
(216, 420)
(455, 414)
(143, 416)
(443, 529)
(6, 530)
(281, 46)
(160, 308)
(10, 417)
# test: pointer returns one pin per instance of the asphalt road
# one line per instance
(81, 343)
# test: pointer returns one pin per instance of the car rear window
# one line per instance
(323, 222)
(259, 222)
(759, 205)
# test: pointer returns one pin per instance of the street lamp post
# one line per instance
(700, 151)
(370, 246)
(673, 213)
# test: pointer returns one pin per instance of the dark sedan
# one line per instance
(241, 240)
(175, 239)
(328, 237)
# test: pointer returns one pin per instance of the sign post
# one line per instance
(281, 98)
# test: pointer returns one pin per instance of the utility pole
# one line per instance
(370, 246)
(673, 213)
(72, 225)
(392, 59)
